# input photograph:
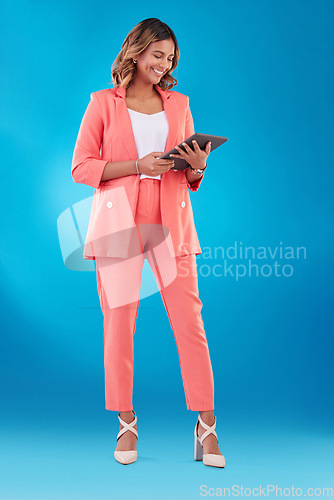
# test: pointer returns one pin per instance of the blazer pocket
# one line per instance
(112, 228)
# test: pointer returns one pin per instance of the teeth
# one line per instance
(158, 72)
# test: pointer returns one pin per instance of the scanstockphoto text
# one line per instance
(267, 490)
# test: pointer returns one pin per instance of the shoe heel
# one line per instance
(198, 448)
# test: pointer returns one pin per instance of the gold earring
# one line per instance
(134, 61)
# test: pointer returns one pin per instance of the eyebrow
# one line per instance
(162, 52)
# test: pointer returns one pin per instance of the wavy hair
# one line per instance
(150, 30)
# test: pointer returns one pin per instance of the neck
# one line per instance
(140, 90)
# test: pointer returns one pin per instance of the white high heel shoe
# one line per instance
(130, 456)
(208, 458)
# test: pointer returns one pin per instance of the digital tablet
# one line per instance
(201, 139)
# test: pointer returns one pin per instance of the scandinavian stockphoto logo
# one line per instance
(239, 261)
(235, 261)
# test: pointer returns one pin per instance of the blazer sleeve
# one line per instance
(87, 166)
(190, 130)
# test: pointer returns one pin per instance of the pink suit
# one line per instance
(106, 125)
(133, 218)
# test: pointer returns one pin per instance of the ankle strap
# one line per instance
(209, 430)
(128, 427)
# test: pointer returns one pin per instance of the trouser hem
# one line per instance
(204, 407)
(118, 408)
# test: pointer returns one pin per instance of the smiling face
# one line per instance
(155, 61)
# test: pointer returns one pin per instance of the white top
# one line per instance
(150, 133)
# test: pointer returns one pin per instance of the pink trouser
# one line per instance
(119, 286)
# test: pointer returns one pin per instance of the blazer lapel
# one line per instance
(125, 125)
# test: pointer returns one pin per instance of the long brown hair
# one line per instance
(150, 30)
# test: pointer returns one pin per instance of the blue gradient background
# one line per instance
(261, 74)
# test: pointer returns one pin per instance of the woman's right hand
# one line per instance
(151, 165)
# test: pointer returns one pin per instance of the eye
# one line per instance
(170, 60)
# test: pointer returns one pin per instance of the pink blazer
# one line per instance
(106, 134)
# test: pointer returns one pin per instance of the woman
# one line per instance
(141, 209)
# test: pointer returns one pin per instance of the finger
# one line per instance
(196, 146)
(187, 148)
(181, 152)
(165, 163)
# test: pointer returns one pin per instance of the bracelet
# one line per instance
(137, 166)
(197, 171)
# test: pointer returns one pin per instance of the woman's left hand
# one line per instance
(196, 158)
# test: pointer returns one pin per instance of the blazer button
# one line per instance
(183, 204)
(109, 204)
